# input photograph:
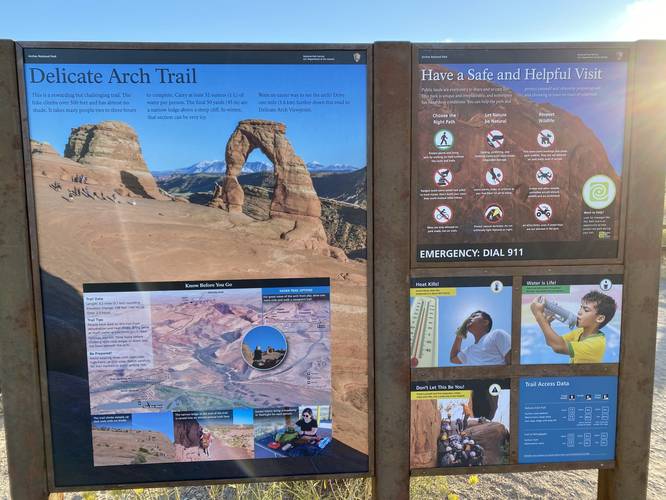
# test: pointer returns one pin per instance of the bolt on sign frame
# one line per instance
(392, 137)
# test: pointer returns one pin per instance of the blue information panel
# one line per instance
(567, 419)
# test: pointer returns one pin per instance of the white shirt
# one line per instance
(489, 350)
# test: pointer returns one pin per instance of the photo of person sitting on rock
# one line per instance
(307, 430)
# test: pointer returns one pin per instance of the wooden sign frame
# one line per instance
(391, 264)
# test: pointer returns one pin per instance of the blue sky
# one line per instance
(158, 422)
(243, 416)
(329, 134)
(340, 21)
(264, 336)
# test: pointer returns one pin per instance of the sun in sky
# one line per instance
(642, 19)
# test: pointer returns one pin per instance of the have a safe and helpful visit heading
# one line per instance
(537, 74)
(139, 76)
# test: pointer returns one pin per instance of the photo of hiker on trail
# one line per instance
(460, 321)
(567, 321)
(210, 435)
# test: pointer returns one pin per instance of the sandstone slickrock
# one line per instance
(494, 438)
(42, 148)
(114, 146)
(424, 431)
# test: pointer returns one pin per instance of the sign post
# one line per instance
(22, 401)
(642, 261)
(392, 151)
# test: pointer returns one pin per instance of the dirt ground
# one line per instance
(116, 447)
(581, 485)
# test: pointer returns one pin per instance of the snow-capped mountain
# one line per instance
(220, 167)
(251, 167)
(315, 166)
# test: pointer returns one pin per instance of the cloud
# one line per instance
(642, 19)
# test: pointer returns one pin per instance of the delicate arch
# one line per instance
(294, 194)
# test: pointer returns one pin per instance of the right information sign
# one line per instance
(518, 153)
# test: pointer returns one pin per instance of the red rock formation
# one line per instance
(424, 429)
(294, 192)
(217, 201)
(294, 196)
(186, 432)
(493, 437)
(115, 146)
(109, 143)
(42, 148)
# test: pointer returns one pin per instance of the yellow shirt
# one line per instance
(589, 350)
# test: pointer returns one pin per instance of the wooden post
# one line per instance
(19, 370)
(392, 92)
(642, 257)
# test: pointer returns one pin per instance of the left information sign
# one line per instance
(202, 231)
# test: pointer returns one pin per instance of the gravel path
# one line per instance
(581, 485)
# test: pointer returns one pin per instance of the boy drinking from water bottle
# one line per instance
(586, 343)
